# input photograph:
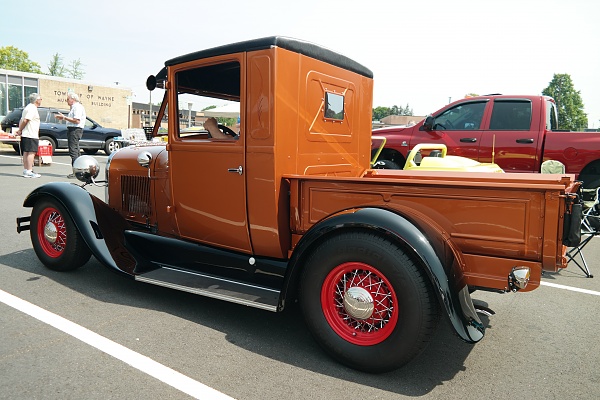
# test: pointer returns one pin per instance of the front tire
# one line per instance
(366, 302)
(55, 238)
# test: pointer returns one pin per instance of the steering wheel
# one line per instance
(227, 130)
(447, 124)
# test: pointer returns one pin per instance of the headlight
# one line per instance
(86, 168)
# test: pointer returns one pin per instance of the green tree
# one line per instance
(381, 112)
(75, 69)
(568, 101)
(222, 120)
(17, 60)
(56, 66)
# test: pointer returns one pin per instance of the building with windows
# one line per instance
(108, 105)
(143, 115)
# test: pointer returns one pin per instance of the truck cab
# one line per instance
(507, 130)
(230, 192)
(517, 132)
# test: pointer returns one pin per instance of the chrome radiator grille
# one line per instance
(136, 194)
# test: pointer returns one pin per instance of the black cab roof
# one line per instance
(295, 45)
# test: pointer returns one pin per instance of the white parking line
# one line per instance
(136, 360)
(19, 158)
(571, 288)
(16, 157)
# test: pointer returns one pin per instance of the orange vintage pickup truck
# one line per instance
(288, 208)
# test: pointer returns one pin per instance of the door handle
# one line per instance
(239, 170)
(468, 140)
(525, 141)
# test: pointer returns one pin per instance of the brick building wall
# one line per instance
(109, 106)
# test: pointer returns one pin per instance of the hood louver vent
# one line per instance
(136, 194)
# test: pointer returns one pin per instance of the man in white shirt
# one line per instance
(29, 130)
(75, 123)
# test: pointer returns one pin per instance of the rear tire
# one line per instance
(366, 302)
(55, 238)
(111, 145)
(590, 176)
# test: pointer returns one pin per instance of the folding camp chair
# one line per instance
(552, 167)
(590, 228)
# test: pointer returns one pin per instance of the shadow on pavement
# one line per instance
(279, 336)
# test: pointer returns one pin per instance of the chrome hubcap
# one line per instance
(358, 303)
(50, 232)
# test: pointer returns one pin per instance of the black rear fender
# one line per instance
(429, 249)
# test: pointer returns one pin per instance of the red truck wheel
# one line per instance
(366, 302)
(55, 239)
(359, 303)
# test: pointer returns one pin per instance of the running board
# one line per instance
(222, 289)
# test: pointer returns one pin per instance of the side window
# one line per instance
(334, 106)
(551, 116)
(466, 116)
(52, 118)
(208, 102)
(43, 114)
(511, 115)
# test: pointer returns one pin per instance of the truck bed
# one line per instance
(495, 221)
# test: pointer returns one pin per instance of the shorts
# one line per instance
(29, 145)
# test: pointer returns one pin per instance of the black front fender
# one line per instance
(100, 226)
(454, 296)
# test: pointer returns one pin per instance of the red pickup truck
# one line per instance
(516, 132)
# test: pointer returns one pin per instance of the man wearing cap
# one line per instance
(75, 123)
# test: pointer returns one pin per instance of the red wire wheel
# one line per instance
(359, 303)
(55, 237)
(366, 302)
(52, 232)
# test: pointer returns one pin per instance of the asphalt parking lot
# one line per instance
(91, 334)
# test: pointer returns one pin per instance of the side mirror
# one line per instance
(428, 124)
(151, 83)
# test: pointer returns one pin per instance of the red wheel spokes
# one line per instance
(360, 331)
(50, 224)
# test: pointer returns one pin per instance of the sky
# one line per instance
(423, 53)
